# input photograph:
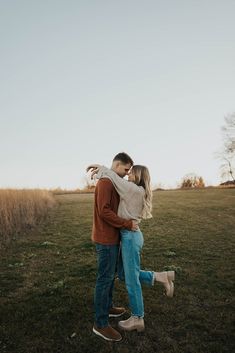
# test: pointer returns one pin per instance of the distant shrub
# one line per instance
(192, 181)
(228, 183)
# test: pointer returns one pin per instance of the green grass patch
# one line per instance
(47, 279)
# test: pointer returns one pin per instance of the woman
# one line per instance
(135, 203)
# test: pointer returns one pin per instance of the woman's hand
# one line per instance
(94, 168)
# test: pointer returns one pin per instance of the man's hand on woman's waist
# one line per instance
(135, 225)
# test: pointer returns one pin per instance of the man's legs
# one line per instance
(106, 261)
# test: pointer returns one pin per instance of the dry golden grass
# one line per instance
(85, 190)
(22, 209)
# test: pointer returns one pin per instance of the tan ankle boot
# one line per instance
(166, 278)
(133, 323)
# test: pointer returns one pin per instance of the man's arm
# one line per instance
(104, 190)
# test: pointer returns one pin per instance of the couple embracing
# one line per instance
(119, 206)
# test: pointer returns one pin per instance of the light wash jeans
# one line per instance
(129, 269)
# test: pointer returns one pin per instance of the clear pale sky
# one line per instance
(81, 81)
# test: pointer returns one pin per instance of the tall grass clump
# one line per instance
(21, 210)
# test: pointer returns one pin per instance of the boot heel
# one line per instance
(171, 275)
(171, 292)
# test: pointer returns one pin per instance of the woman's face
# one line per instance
(131, 176)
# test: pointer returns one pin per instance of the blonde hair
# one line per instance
(142, 178)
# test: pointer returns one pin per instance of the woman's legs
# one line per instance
(131, 245)
(145, 277)
(129, 270)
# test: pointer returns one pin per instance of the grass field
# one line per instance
(47, 279)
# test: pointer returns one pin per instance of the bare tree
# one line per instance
(227, 154)
(228, 131)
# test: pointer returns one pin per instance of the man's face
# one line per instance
(122, 169)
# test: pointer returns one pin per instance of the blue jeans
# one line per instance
(107, 256)
(129, 269)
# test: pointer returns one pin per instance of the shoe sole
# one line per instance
(104, 337)
(171, 292)
(171, 278)
(138, 329)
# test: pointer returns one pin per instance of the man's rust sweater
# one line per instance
(106, 223)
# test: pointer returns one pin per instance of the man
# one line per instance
(105, 235)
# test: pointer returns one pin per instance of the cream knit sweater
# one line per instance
(131, 195)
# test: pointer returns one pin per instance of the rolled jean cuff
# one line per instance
(140, 316)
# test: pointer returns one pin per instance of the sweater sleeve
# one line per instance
(104, 207)
(122, 186)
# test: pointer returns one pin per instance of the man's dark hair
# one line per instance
(124, 158)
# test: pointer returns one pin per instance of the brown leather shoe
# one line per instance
(108, 333)
(116, 311)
